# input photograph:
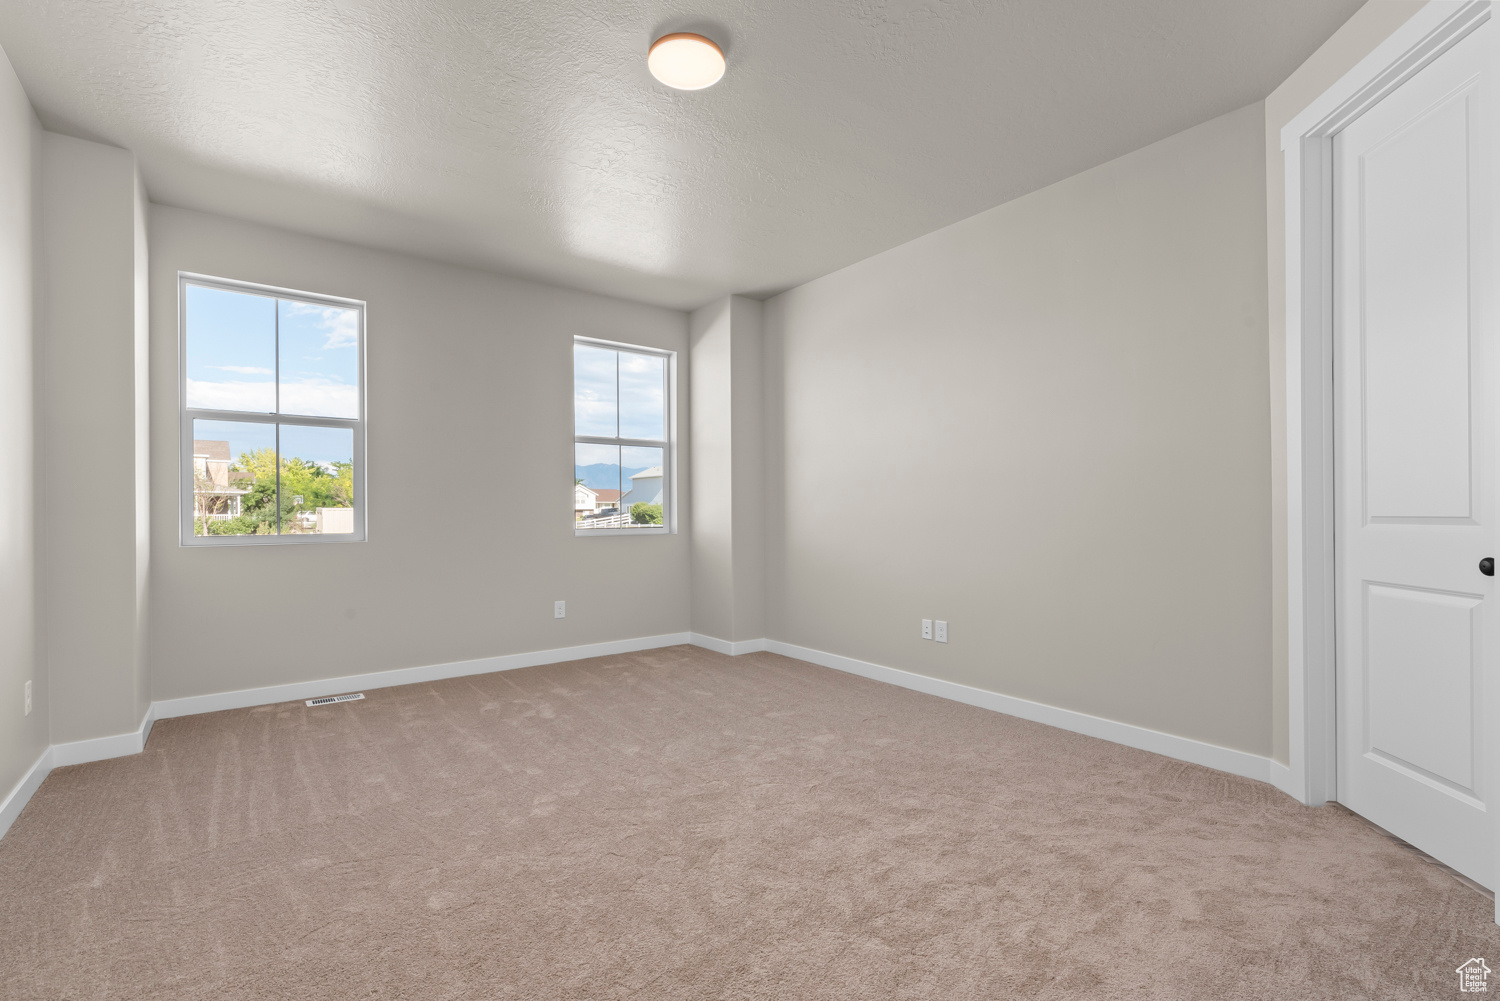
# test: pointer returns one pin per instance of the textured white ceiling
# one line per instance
(528, 137)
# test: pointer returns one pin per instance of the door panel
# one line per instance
(1414, 486)
(1415, 226)
(1420, 680)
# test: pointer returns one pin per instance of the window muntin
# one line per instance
(622, 456)
(272, 415)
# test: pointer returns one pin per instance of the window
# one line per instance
(622, 454)
(273, 431)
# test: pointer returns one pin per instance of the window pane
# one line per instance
(319, 360)
(641, 471)
(596, 485)
(643, 411)
(231, 350)
(595, 392)
(234, 478)
(317, 480)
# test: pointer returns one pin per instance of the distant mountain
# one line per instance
(604, 476)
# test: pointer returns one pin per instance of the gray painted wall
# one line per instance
(22, 738)
(470, 395)
(1048, 425)
(747, 350)
(728, 537)
(712, 483)
(92, 409)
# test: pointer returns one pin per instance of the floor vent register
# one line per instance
(331, 699)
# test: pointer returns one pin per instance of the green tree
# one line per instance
(642, 513)
(259, 462)
(257, 512)
(299, 478)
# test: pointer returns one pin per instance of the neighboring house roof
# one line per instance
(607, 495)
(585, 489)
(211, 450)
(643, 474)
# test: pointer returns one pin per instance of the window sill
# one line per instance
(211, 541)
(621, 532)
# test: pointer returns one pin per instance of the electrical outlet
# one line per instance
(559, 609)
(942, 631)
(28, 698)
(927, 629)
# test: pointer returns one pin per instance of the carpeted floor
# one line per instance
(678, 824)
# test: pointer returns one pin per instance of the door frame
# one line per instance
(1307, 148)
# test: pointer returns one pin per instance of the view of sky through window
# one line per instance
(231, 350)
(642, 385)
(319, 360)
(232, 356)
(244, 351)
(620, 395)
(595, 391)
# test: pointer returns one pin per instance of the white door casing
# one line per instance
(1414, 482)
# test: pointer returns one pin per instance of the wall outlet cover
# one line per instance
(927, 629)
(28, 698)
(942, 631)
(559, 609)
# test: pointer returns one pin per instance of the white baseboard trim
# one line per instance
(78, 752)
(731, 647)
(73, 752)
(15, 801)
(1281, 778)
(1243, 763)
(243, 699)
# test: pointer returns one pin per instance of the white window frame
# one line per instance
(668, 445)
(187, 415)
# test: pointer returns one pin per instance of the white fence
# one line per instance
(606, 521)
(621, 520)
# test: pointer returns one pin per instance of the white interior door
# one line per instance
(1415, 488)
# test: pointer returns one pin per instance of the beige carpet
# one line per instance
(677, 824)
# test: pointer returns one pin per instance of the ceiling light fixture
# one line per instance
(686, 61)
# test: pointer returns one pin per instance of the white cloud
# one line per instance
(600, 375)
(306, 397)
(641, 365)
(244, 369)
(593, 416)
(594, 390)
(256, 397)
(641, 396)
(319, 398)
(589, 455)
(340, 326)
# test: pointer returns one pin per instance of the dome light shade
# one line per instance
(686, 61)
